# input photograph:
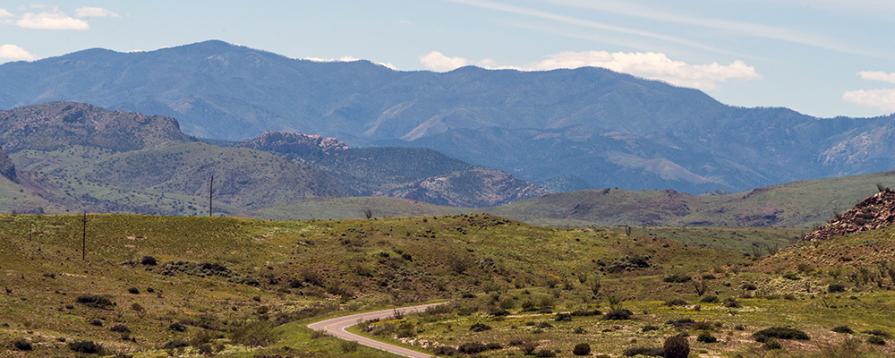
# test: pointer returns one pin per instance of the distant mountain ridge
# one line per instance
(572, 129)
(80, 156)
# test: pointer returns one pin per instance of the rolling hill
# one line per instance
(571, 129)
(797, 204)
(81, 157)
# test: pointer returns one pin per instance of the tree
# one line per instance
(368, 214)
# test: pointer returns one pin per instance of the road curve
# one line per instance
(338, 327)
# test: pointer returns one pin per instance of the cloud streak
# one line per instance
(89, 11)
(651, 65)
(15, 53)
(51, 20)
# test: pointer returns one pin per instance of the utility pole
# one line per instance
(84, 238)
(210, 195)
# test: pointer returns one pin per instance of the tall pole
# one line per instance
(210, 194)
(84, 238)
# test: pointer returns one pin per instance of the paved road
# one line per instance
(338, 327)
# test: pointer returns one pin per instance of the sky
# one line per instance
(820, 57)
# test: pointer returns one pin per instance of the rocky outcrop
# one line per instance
(873, 213)
(7, 168)
(58, 124)
(308, 146)
(478, 187)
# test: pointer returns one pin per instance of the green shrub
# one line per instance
(675, 302)
(95, 301)
(255, 334)
(479, 327)
(836, 288)
(677, 278)
(563, 317)
(618, 314)
(878, 333)
(176, 344)
(780, 333)
(676, 347)
(705, 337)
(876, 340)
(545, 353)
(581, 349)
(843, 329)
(731, 302)
(644, 351)
(772, 345)
(22, 345)
(445, 351)
(348, 346)
(709, 299)
(86, 347)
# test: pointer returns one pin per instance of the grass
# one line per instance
(269, 279)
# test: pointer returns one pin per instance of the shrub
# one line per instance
(445, 351)
(177, 327)
(676, 347)
(618, 314)
(836, 288)
(255, 334)
(709, 299)
(748, 286)
(348, 346)
(585, 313)
(120, 328)
(877, 340)
(95, 301)
(644, 351)
(86, 347)
(878, 333)
(843, 329)
(705, 337)
(677, 278)
(581, 349)
(579, 330)
(176, 344)
(649, 328)
(675, 302)
(148, 261)
(731, 302)
(96, 322)
(780, 333)
(473, 348)
(528, 348)
(772, 345)
(792, 276)
(133, 291)
(22, 345)
(545, 353)
(479, 327)
(563, 317)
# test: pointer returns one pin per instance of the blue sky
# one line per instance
(820, 57)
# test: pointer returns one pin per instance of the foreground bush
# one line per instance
(95, 301)
(22, 345)
(780, 333)
(581, 349)
(86, 347)
(676, 347)
(644, 351)
(618, 314)
(843, 329)
(255, 334)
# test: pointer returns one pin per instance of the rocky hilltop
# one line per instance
(875, 212)
(296, 144)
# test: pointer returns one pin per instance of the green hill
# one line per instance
(798, 204)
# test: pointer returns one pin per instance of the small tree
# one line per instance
(676, 347)
(595, 286)
(700, 286)
(368, 214)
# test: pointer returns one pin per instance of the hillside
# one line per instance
(798, 204)
(571, 129)
(81, 157)
(7, 167)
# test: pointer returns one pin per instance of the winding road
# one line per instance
(338, 327)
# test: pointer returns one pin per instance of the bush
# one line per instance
(133, 291)
(676, 347)
(586, 313)
(618, 314)
(176, 344)
(677, 278)
(545, 353)
(177, 327)
(731, 302)
(255, 334)
(644, 351)
(475, 347)
(445, 351)
(748, 286)
(780, 333)
(878, 333)
(348, 346)
(479, 327)
(120, 328)
(772, 345)
(563, 317)
(705, 337)
(843, 329)
(95, 301)
(877, 340)
(675, 302)
(581, 349)
(709, 299)
(22, 345)
(149, 261)
(836, 288)
(649, 328)
(86, 347)
(528, 348)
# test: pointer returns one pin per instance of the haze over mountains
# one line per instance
(570, 129)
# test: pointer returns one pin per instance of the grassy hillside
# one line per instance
(242, 287)
(354, 208)
(799, 204)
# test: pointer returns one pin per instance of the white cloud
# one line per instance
(89, 11)
(15, 53)
(651, 65)
(51, 20)
(878, 76)
(439, 62)
(5, 14)
(883, 99)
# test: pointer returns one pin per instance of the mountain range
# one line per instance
(567, 129)
(74, 156)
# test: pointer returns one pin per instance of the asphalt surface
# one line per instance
(338, 327)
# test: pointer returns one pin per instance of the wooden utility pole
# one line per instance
(210, 195)
(84, 238)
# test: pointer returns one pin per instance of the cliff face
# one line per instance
(875, 212)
